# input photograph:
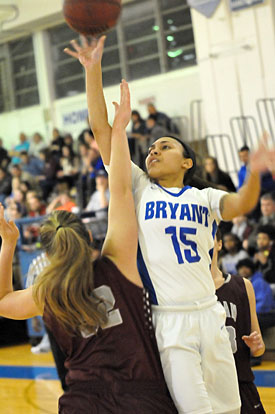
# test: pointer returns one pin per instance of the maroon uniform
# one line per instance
(117, 369)
(233, 296)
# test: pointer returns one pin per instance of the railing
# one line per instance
(266, 113)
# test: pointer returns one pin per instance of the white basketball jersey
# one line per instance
(176, 237)
(177, 227)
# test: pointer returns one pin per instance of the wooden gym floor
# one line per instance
(29, 384)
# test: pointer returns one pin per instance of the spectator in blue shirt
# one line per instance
(244, 158)
(23, 146)
(263, 293)
(32, 165)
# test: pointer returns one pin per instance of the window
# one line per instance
(178, 32)
(68, 73)
(23, 72)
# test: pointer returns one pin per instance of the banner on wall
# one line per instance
(242, 4)
(205, 7)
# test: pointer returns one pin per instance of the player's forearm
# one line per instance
(98, 116)
(6, 257)
(120, 176)
(233, 205)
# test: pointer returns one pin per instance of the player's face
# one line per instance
(165, 157)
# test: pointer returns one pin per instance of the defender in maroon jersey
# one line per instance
(238, 299)
(98, 311)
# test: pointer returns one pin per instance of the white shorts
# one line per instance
(196, 357)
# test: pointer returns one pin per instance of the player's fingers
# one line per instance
(101, 41)
(125, 92)
(71, 52)
(116, 105)
(75, 45)
(84, 41)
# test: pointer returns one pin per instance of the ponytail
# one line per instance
(66, 284)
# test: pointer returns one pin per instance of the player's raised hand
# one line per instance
(88, 52)
(253, 341)
(123, 109)
(8, 230)
(263, 159)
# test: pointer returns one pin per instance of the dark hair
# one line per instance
(187, 153)
(235, 238)
(267, 229)
(153, 117)
(134, 112)
(215, 161)
(218, 234)
(246, 263)
(23, 153)
(244, 148)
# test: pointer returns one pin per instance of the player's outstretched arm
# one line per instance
(13, 304)
(122, 235)
(254, 341)
(233, 205)
(90, 54)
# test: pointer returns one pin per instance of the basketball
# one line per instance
(91, 17)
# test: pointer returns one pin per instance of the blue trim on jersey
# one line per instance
(214, 229)
(145, 277)
(187, 187)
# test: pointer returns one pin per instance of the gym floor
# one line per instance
(29, 383)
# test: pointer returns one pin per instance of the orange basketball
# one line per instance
(91, 17)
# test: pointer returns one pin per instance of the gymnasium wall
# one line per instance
(236, 66)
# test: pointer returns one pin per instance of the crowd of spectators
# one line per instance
(37, 177)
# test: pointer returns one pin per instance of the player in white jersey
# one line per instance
(176, 230)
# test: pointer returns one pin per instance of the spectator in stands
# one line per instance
(5, 184)
(80, 138)
(4, 157)
(100, 198)
(31, 165)
(62, 202)
(13, 211)
(267, 205)
(214, 174)
(69, 166)
(242, 228)
(36, 206)
(234, 253)
(137, 139)
(264, 258)
(18, 175)
(22, 146)
(57, 142)
(48, 178)
(19, 198)
(268, 209)
(162, 119)
(244, 153)
(37, 144)
(91, 163)
(155, 130)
